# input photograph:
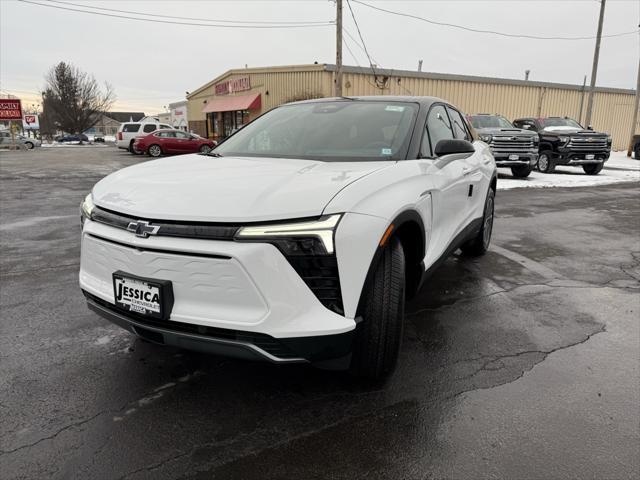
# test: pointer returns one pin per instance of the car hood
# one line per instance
(565, 130)
(227, 189)
(505, 131)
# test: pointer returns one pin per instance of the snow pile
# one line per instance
(618, 169)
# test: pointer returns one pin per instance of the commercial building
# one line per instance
(237, 96)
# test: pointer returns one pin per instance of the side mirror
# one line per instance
(590, 127)
(448, 147)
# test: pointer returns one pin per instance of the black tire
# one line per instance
(593, 168)
(154, 150)
(132, 150)
(205, 149)
(479, 244)
(546, 163)
(521, 171)
(378, 337)
(29, 145)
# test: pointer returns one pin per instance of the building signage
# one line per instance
(30, 122)
(10, 109)
(233, 85)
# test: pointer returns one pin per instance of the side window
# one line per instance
(166, 126)
(459, 127)
(181, 135)
(131, 127)
(438, 126)
(148, 128)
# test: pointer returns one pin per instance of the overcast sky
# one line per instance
(152, 64)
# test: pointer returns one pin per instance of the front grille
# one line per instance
(260, 340)
(587, 143)
(210, 231)
(320, 273)
(511, 144)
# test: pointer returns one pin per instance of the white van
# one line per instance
(128, 131)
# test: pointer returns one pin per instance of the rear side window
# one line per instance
(166, 126)
(130, 127)
(438, 126)
(459, 126)
(148, 128)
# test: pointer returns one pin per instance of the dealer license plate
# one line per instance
(153, 298)
(589, 157)
(514, 157)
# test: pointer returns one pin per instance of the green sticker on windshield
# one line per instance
(394, 108)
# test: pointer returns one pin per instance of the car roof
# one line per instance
(423, 101)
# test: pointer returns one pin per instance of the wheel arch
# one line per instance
(408, 228)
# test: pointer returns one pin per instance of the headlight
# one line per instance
(86, 207)
(609, 139)
(298, 238)
(536, 140)
(564, 139)
(486, 138)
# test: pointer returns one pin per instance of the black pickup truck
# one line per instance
(512, 147)
(563, 141)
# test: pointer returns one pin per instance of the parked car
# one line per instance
(98, 138)
(563, 141)
(171, 142)
(127, 132)
(635, 146)
(295, 240)
(72, 138)
(27, 142)
(511, 147)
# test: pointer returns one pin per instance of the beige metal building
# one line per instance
(237, 96)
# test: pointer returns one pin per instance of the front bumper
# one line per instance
(569, 157)
(524, 159)
(223, 285)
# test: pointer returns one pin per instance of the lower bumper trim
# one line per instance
(314, 349)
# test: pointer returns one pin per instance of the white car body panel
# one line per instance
(208, 292)
(204, 188)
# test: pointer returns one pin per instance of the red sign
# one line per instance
(10, 109)
(233, 85)
(29, 119)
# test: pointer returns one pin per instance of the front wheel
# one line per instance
(593, 168)
(29, 145)
(205, 149)
(155, 151)
(545, 162)
(479, 244)
(379, 335)
(521, 171)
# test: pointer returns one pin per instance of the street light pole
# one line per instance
(338, 80)
(594, 68)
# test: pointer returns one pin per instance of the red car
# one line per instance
(172, 142)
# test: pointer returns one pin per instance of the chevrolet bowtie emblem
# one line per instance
(143, 229)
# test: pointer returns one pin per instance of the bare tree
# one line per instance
(72, 100)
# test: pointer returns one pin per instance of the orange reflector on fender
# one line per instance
(386, 235)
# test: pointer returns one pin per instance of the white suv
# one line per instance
(128, 131)
(295, 240)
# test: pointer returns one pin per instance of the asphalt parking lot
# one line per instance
(522, 364)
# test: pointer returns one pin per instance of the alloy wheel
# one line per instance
(488, 222)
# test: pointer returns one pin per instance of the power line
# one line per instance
(173, 22)
(364, 45)
(192, 18)
(492, 32)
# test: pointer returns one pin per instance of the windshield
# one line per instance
(344, 130)
(560, 122)
(489, 121)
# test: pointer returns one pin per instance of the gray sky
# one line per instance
(152, 64)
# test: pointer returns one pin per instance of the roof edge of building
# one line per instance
(471, 78)
(307, 67)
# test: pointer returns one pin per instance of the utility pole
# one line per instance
(634, 123)
(594, 69)
(338, 48)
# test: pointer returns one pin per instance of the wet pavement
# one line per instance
(520, 364)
